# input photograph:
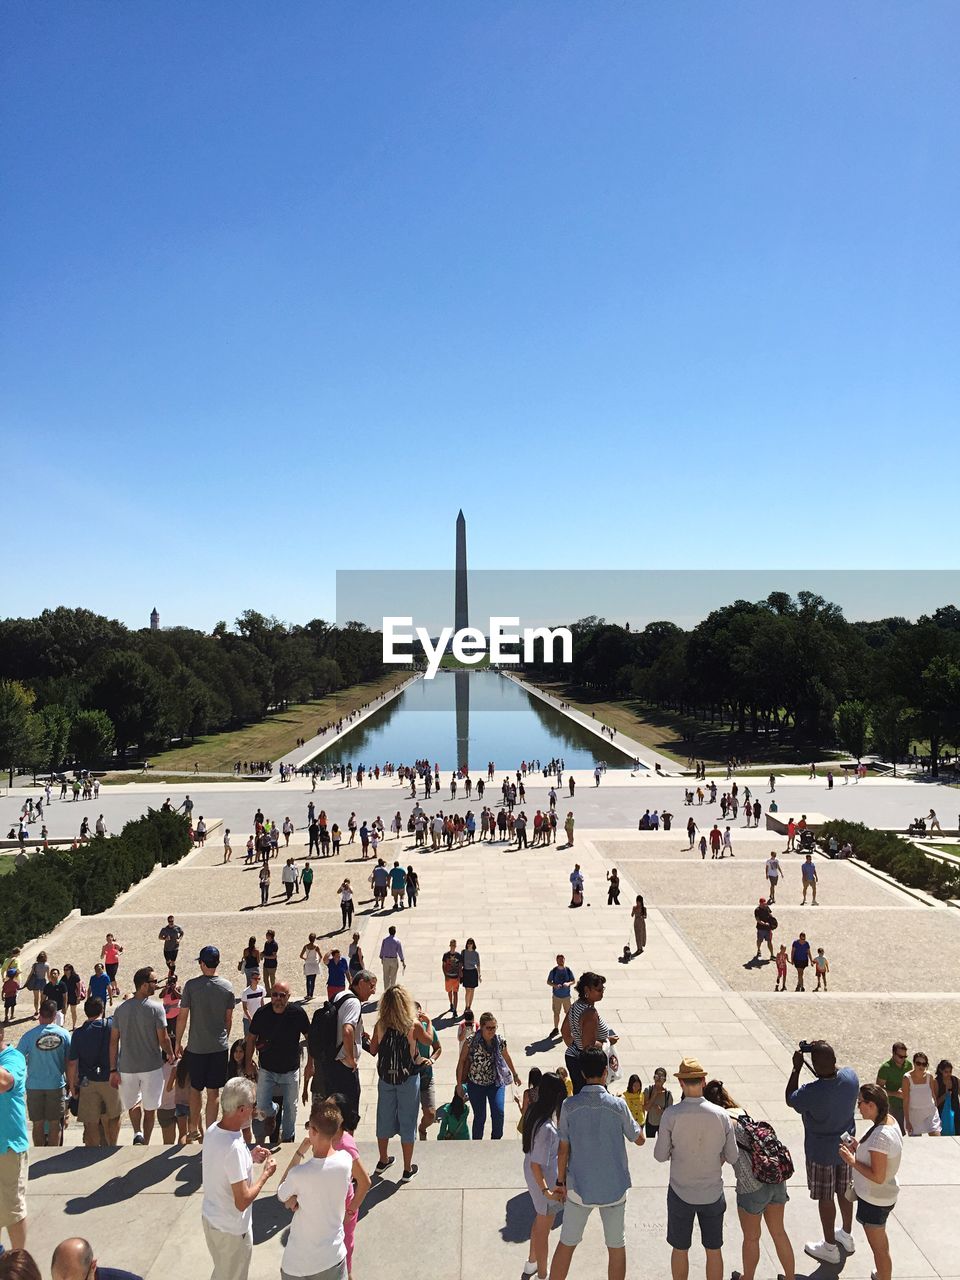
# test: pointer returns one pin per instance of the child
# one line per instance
(176, 1095)
(360, 1182)
(534, 1076)
(635, 1100)
(703, 846)
(567, 1082)
(822, 967)
(467, 1026)
(781, 959)
(627, 956)
(10, 988)
(453, 1117)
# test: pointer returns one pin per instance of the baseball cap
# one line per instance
(210, 956)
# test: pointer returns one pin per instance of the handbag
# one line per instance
(613, 1063)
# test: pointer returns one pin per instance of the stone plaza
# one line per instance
(694, 991)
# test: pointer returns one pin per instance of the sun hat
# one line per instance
(690, 1069)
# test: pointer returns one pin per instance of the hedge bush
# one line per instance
(895, 856)
(36, 896)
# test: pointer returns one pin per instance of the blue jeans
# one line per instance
(286, 1083)
(480, 1095)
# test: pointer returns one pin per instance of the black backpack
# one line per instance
(323, 1039)
(394, 1060)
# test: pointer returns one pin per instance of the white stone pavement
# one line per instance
(466, 1214)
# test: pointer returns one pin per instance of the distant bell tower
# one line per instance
(154, 620)
(461, 611)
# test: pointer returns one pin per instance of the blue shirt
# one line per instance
(90, 1050)
(337, 972)
(13, 1103)
(595, 1124)
(45, 1048)
(99, 986)
(827, 1109)
(562, 980)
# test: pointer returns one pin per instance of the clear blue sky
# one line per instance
(639, 285)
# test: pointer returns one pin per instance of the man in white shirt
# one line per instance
(252, 998)
(229, 1188)
(697, 1138)
(773, 871)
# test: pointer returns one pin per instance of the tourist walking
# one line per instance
(757, 1202)
(874, 1161)
(206, 1009)
(765, 923)
(920, 1099)
(560, 979)
(808, 875)
(311, 955)
(800, 959)
(638, 913)
(656, 1098)
(826, 1106)
(264, 884)
(334, 1053)
(45, 1048)
(250, 959)
(592, 1169)
(14, 1143)
(773, 871)
(270, 960)
(569, 822)
(88, 1078)
(398, 1033)
(470, 961)
(540, 1144)
(948, 1098)
(317, 1189)
(171, 936)
(451, 966)
(697, 1138)
(583, 1027)
(391, 957)
(110, 954)
(139, 1042)
(413, 887)
(276, 1031)
(890, 1076)
(229, 1184)
(338, 969)
(484, 1069)
(613, 888)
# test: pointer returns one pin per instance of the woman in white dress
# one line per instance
(311, 956)
(920, 1099)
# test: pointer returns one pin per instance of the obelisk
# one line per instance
(460, 610)
(461, 679)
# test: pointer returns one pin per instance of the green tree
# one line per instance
(20, 729)
(891, 725)
(91, 736)
(54, 736)
(852, 727)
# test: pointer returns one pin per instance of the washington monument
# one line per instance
(461, 617)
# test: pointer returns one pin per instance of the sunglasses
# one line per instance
(278, 995)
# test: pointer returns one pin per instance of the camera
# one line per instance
(806, 1046)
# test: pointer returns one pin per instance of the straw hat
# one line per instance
(690, 1069)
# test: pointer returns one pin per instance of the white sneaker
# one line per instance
(845, 1239)
(529, 1268)
(823, 1252)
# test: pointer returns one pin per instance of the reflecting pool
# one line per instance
(471, 717)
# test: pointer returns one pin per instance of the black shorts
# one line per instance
(207, 1070)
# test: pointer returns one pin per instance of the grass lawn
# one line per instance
(271, 737)
(944, 848)
(664, 732)
(7, 863)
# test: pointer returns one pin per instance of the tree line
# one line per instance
(791, 667)
(76, 684)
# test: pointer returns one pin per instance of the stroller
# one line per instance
(918, 827)
(807, 841)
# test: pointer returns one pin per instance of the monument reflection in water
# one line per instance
(470, 717)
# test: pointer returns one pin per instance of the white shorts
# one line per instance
(144, 1087)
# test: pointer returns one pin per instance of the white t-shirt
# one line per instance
(349, 1011)
(225, 1160)
(316, 1242)
(252, 999)
(885, 1138)
(773, 868)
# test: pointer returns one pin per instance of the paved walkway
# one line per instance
(313, 746)
(466, 1215)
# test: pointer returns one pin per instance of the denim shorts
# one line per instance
(757, 1201)
(872, 1215)
(398, 1107)
(680, 1219)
